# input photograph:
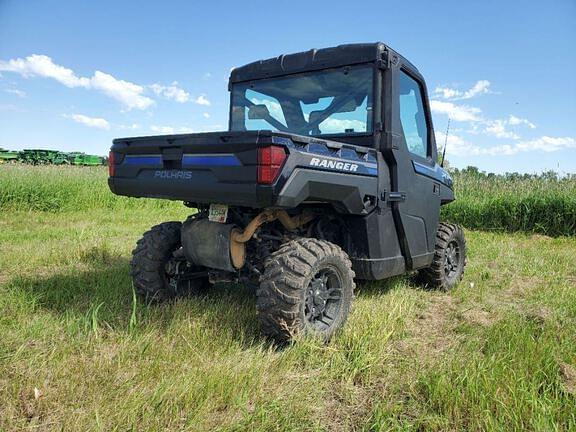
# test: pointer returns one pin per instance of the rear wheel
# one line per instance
(307, 287)
(449, 263)
(158, 271)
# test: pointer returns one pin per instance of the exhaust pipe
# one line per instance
(223, 246)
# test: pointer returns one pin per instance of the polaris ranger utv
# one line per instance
(328, 173)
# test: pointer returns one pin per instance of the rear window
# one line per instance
(328, 102)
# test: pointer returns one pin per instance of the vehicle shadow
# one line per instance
(372, 289)
(102, 295)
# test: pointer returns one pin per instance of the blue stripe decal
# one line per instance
(188, 160)
(282, 140)
(143, 160)
(210, 160)
(436, 173)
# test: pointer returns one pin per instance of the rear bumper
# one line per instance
(191, 190)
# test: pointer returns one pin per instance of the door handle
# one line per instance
(397, 196)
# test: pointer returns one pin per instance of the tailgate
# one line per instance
(199, 168)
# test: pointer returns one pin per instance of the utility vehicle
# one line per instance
(328, 174)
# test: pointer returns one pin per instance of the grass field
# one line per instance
(77, 353)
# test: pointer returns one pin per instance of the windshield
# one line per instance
(328, 102)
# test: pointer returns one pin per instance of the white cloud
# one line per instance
(16, 92)
(498, 129)
(461, 113)
(128, 94)
(455, 144)
(94, 122)
(547, 144)
(202, 100)
(460, 147)
(125, 92)
(206, 115)
(514, 121)
(170, 130)
(172, 92)
(446, 92)
(41, 65)
(480, 87)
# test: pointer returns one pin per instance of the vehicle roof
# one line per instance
(315, 59)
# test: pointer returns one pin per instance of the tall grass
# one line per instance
(63, 188)
(543, 204)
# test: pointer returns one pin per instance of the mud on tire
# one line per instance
(307, 286)
(148, 264)
(449, 263)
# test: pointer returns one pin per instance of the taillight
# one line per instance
(111, 164)
(270, 161)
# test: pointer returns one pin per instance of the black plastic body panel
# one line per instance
(376, 252)
(346, 193)
(221, 168)
(193, 167)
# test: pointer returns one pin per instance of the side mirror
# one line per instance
(258, 112)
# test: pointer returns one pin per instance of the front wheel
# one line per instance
(307, 287)
(447, 268)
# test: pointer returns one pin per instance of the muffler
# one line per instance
(209, 244)
(223, 246)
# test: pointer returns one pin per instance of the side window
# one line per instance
(412, 116)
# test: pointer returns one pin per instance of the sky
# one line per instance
(76, 74)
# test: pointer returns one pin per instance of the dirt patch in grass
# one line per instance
(431, 332)
(568, 376)
(478, 317)
(520, 286)
(539, 315)
(348, 405)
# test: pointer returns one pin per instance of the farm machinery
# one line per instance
(7, 155)
(50, 157)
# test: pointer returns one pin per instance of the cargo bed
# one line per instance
(222, 167)
(193, 167)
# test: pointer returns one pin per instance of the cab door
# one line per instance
(416, 188)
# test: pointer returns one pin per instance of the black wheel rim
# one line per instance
(323, 299)
(452, 259)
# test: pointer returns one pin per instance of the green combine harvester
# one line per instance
(8, 156)
(38, 156)
(50, 157)
(78, 158)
